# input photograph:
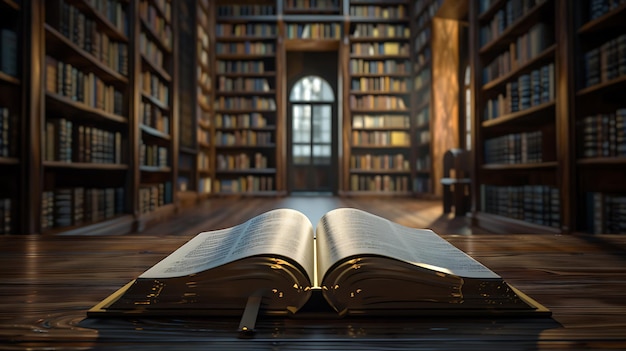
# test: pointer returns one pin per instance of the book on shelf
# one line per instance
(9, 52)
(5, 216)
(606, 213)
(354, 263)
(605, 62)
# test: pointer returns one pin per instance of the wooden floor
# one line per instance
(217, 213)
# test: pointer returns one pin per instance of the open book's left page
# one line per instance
(283, 232)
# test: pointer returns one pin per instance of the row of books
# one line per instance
(364, 66)
(8, 133)
(66, 80)
(204, 136)
(425, 11)
(422, 184)
(242, 120)
(9, 54)
(245, 29)
(64, 207)
(152, 85)
(606, 213)
(514, 148)
(6, 213)
(381, 138)
(154, 117)
(153, 155)
(153, 196)
(312, 4)
(379, 183)
(231, 66)
(151, 51)
(384, 84)
(243, 138)
(204, 185)
(421, 59)
(158, 20)
(65, 142)
(422, 136)
(236, 10)
(242, 84)
(505, 17)
(603, 135)
(528, 90)
(380, 162)
(380, 121)
(241, 161)
(245, 184)
(245, 103)
(386, 12)
(247, 47)
(538, 204)
(382, 48)
(605, 62)
(421, 40)
(114, 11)
(313, 31)
(204, 161)
(422, 118)
(597, 8)
(423, 162)
(523, 49)
(422, 79)
(381, 30)
(377, 102)
(83, 31)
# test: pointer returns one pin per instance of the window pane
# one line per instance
(321, 154)
(311, 88)
(322, 123)
(301, 123)
(301, 154)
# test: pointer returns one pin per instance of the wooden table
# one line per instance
(48, 283)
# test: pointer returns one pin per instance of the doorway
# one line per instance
(312, 123)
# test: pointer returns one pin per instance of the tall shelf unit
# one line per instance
(519, 121)
(157, 130)
(245, 109)
(85, 173)
(599, 121)
(12, 114)
(204, 113)
(378, 109)
(421, 33)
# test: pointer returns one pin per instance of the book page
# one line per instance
(284, 232)
(349, 232)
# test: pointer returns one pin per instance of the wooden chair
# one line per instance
(456, 181)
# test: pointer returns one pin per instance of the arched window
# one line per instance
(311, 99)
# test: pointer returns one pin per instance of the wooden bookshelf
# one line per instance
(377, 115)
(245, 104)
(520, 125)
(86, 174)
(599, 118)
(156, 131)
(12, 116)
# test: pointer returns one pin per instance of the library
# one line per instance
(129, 126)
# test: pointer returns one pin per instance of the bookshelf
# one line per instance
(157, 128)
(422, 67)
(85, 125)
(599, 121)
(245, 96)
(377, 118)
(204, 113)
(521, 125)
(12, 83)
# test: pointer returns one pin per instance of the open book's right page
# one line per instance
(370, 265)
(347, 232)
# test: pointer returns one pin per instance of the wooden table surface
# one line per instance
(49, 282)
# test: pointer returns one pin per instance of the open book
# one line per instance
(361, 264)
